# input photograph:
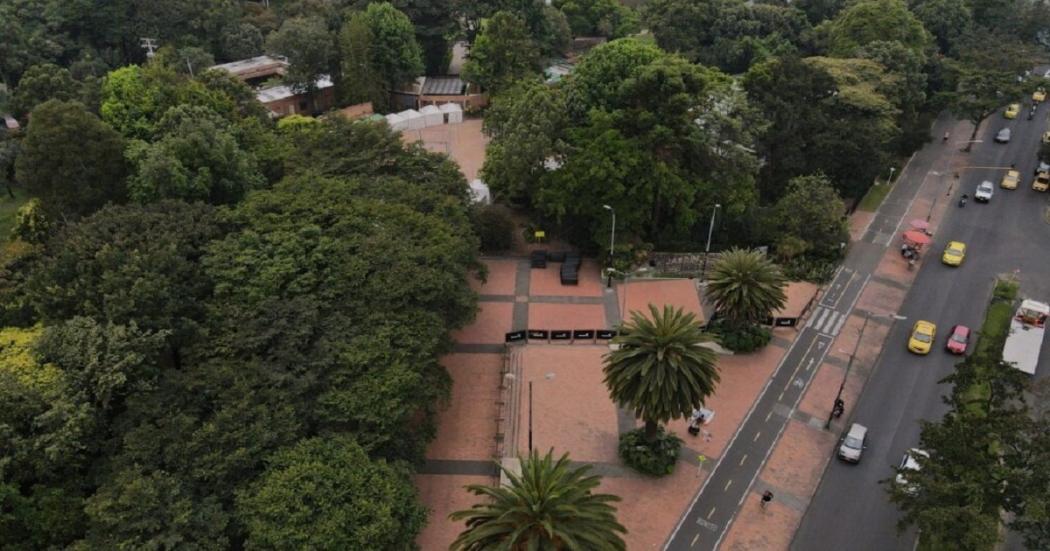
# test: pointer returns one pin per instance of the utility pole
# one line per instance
(849, 365)
(612, 241)
(150, 44)
(707, 249)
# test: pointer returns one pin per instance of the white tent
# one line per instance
(453, 113)
(396, 122)
(479, 192)
(432, 115)
(414, 119)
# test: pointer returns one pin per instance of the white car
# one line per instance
(910, 463)
(984, 192)
(854, 443)
(1003, 136)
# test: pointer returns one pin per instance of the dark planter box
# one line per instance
(538, 259)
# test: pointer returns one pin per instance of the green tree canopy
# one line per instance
(606, 18)
(825, 115)
(524, 123)
(503, 53)
(746, 287)
(661, 371)
(71, 160)
(195, 158)
(809, 220)
(728, 34)
(394, 53)
(327, 493)
(867, 21)
(549, 505)
(40, 83)
(310, 50)
(131, 265)
(949, 21)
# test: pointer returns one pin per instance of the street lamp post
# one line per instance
(849, 365)
(612, 241)
(707, 249)
(548, 376)
(892, 170)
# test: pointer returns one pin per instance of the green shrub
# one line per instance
(742, 338)
(31, 223)
(495, 228)
(656, 458)
(815, 270)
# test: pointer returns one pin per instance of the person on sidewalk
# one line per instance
(766, 498)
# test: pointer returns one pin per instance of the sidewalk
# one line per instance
(798, 460)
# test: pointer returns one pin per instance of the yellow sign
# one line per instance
(540, 234)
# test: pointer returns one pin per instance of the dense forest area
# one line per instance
(221, 331)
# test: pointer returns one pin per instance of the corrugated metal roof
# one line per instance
(443, 86)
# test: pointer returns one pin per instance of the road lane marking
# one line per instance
(696, 537)
(711, 513)
(742, 459)
(757, 434)
(781, 397)
(726, 489)
(767, 416)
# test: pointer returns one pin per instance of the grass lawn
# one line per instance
(873, 198)
(8, 209)
(995, 326)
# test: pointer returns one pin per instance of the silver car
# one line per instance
(984, 192)
(853, 444)
(1003, 136)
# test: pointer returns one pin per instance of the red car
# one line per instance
(958, 339)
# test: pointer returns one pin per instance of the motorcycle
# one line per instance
(962, 201)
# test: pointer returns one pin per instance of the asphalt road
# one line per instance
(714, 508)
(850, 509)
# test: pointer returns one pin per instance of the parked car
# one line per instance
(1003, 136)
(1046, 138)
(1012, 110)
(954, 253)
(984, 192)
(922, 334)
(853, 444)
(1043, 166)
(1010, 179)
(1039, 95)
(910, 463)
(958, 340)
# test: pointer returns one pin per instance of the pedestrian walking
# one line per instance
(766, 498)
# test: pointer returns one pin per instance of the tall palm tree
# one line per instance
(746, 287)
(660, 370)
(548, 507)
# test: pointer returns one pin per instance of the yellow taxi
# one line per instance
(922, 335)
(1039, 95)
(1046, 137)
(954, 253)
(1012, 110)
(1010, 179)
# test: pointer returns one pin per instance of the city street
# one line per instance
(850, 509)
(713, 510)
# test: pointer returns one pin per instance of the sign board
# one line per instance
(539, 334)
(583, 334)
(606, 334)
(514, 336)
(561, 335)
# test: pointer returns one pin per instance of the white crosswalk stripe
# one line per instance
(826, 321)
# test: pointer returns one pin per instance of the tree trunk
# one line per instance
(973, 135)
(651, 428)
